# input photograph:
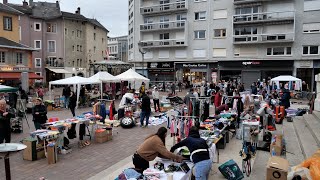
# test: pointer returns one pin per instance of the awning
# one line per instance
(17, 75)
(60, 71)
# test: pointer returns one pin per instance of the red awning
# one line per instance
(17, 75)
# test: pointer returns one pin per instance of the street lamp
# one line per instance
(143, 52)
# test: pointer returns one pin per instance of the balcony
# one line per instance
(164, 43)
(268, 17)
(170, 25)
(164, 8)
(239, 2)
(263, 38)
(54, 64)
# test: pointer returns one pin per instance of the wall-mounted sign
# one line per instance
(251, 63)
(195, 65)
(10, 68)
(160, 65)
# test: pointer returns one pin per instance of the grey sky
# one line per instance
(113, 14)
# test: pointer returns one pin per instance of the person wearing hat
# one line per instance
(5, 130)
(155, 97)
(39, 112)
(199, 150)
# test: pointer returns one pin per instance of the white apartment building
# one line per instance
(118, 48)
(244, 40)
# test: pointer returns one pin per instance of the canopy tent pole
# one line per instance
(78, 94)
(101, 90)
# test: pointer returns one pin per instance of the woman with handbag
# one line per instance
(39, 112)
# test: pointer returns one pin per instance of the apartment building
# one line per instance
(242, 40)
(118, 48)
(15, 58)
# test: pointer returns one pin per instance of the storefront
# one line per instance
(304, 71)
(248, 72)
(161, 71)
(12, 75)
(196, 73)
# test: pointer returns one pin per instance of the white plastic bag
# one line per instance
(301, 171)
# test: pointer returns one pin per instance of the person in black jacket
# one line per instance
(199, 153)
(39, 112)
(5, 116)
(145, 109)
(72, 103)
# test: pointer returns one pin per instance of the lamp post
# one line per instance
(143, 52)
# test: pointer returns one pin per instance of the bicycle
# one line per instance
(247, 153)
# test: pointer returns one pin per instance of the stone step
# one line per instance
(306, 140)
(313, 124)
(317, 115)
(294, 152)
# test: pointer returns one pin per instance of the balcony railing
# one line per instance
(164, 43)
(249, 1)
(163, 26)
(54, 64)
(263, 38)
(164, 8)
(263, 17)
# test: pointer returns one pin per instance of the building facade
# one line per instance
(242, 40)
(118, 48)
(15, 58)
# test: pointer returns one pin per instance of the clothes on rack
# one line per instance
(100, 109)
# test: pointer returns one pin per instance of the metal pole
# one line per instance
(143, 63)
(7, 167)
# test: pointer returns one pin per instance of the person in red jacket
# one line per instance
(218, 98)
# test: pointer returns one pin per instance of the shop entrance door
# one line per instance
(248, 77)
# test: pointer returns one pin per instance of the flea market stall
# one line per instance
(134, 78)
(294, 83)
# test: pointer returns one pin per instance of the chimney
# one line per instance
(25, 3)
(31, 2)
(5, 1)
(78, 10)
(57, 4)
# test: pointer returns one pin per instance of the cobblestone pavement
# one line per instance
(80, 163)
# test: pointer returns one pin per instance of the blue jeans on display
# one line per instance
(66, 102)
(144, 114)
(202, 169)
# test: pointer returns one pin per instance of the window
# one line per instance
(310, 50)
(94, 49)
(52, 61)
(80, 48)
(164, 36)
(247, 10)
(37, 62)
(200, 34)
(220, 33)
(199, 53)
(200, 15)
(80, 62)
(311, 28)
(102, 40)
(77, 47)
(219, 52)
(39, 74)
(37, 27)
(164, 22)
(2, 57)
(115, 49)
(73, 48)
(19, 58)
(37, 44)
(72, 33)
(73, 63)
(52, 28)
(220, 14)
(199, 0)
(181, 53)
(279, 51)
(181, 18)
(52, 46)
(245, 31)
(164, 54)
(94, 36)
(7, 23)
(65, 31)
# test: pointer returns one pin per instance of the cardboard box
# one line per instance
(52, 154)
(277, 168)
(101, 134)
(41, 154)
(30, 153)
(277, 145)
(102, 139)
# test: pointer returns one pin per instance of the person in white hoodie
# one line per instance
(156, 97)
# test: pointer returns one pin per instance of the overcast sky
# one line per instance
(113, 14)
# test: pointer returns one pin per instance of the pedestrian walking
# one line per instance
(72, 103)
(156, 101)
(40, 92)
(39, 112)
(180, 86)
(173, 88)
(5, 130)
(145, 109)
(66, 94)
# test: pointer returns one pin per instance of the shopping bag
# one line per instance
(231, 171)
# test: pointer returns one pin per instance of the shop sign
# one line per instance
(245, 63)
(161, 65)
(10, 68)
(198, 65)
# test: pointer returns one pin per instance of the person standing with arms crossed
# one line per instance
(145, 109)
(39, 112)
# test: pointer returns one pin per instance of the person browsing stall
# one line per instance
(153, 146)
(156, 97)
(199, 153)
(145, 109)
(72, 103)
(39, 112)
(5, 130)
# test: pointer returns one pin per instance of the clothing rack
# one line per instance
(200, 110)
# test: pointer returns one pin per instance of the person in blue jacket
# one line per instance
(199, 153)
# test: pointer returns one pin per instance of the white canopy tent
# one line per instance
(134, 78)
(287, 78)
(104, 77)
(76, 81)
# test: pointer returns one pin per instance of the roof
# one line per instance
(6, 43)
(8, 9)
(97, 23)
(46, 10)
(21, 8)
(69, 15)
